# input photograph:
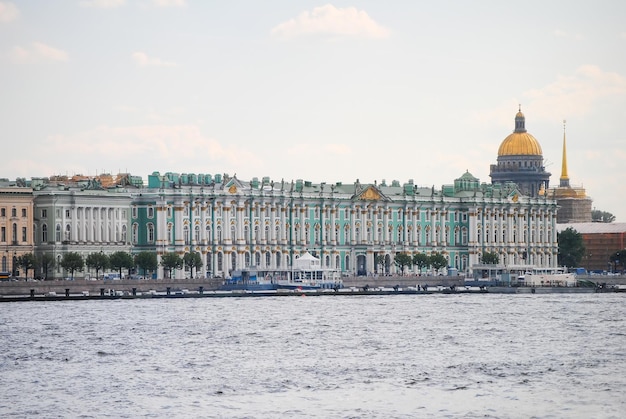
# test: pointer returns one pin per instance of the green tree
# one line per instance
(193, 260)
(147, 261)
(421, 260)
(401, 260)
(438, 261)
(171, 261)
(26, 262)
(72, 262)
(598, 216)
(45, 262)
(490, 258)
(571, 247)
(98, 261)
(121, 260)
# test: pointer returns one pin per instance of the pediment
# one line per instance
(370, 193)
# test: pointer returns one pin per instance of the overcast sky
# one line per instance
(325, 92)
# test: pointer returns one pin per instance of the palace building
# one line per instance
(81, 214)
(236, 224)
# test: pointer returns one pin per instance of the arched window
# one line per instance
(196, 233)
(186, 233)
(150, 231)
(44, 235)
(268, 259)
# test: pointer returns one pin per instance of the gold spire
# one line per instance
(564, 179)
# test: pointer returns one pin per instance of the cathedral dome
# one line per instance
(520, 142)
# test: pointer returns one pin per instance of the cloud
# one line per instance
(562, 34)
(38, 52)
(103, 4)
(142, 59)
(576, 94)
(8, 11)
(158, 145)
(567, 96)
(170, 3)
(329, 20)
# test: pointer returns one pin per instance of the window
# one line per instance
(196, 234)
(14, 235)
(134, 212)
(67, 214)
(23, 212)
(134, 233)
(24, 233)
(3, 234)
(169, 211)
(13, 212)
(57, 233)
(186, 233)
(44, 233)
(150, 233)
(3, 212)
(150, 212)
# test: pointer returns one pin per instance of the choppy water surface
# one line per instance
(512, 356)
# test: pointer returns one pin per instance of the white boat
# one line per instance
(547, 277)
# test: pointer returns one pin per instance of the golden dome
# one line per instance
(520, 142)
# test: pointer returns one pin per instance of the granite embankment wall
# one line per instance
(95, 287)
(161, 285)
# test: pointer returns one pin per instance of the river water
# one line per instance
(405, 356)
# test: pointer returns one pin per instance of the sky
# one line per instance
(320, 91)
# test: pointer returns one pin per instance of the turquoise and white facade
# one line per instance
(236, 224)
